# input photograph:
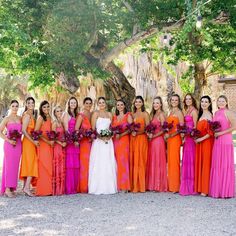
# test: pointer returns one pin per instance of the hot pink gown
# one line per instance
(188, 161)
(58, 178)
(222, 179)
(11, 161)
(72, 162)
(156, 174)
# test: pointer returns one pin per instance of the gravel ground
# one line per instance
(119, 214)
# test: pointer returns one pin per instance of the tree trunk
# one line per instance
(70, 83)
(119, 85)
(200, 80)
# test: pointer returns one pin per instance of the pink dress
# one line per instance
(11, 161)
(188, 161)
(58, 178)
(72, 162)
(156, 175)
(222, 179)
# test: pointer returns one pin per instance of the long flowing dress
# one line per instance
(188, 161)
(45, 166)
(72, 162)
(122, 154)
(156, 176)
(102, 165)
(222, 178)
(173, 156)
(203, 159)
(58, 179)
(29, 160)
(85, 147)
(138, 158)
(11, 161)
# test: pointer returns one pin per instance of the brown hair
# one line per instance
(76, 109)
(142, 108)
(153, 112)
(125, 109)
(225, 98)
(175, 95)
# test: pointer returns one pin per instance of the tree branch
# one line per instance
(108, 56)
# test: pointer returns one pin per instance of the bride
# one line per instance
(102, 165)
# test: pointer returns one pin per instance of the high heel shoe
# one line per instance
(9, 194)
(28, 193)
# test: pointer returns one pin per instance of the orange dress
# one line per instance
(85, 146)
(45, 163)
(173, 156)
(121, 147)
(138, 159)
(203, 159)
(29, 161)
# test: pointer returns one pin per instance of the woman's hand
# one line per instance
(36, 143)
(198, 140)
(76, 144)
(51, 143)
(12, 142)
(150, 136)
(118, 136)
(217, 134)
(134, 133)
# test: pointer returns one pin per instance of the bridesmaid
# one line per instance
(12, 151)
(188, 158)
(174, 143)
(45, 152)
(121, 144)
(156, 176)
(58, 179)
(203, 147)
(29, 160)
(83, 122)
(138, 147)
(72, 149)
(222, 178)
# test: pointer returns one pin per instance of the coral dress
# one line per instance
(58, 179)
(45, 159)
(156, 176)
(29, 160)
(122, 155)
(173, 156)
(222, 179)
(138, 158)
(72, 162)
(203, 159)
(85, 147)
(188, 161)
(11, 160)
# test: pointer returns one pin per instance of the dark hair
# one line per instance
(41, 109)
(225, 98)
(175, 95)
(28, 99)
(101, 98)
(76, 109)
(14, 101)
(125, 109)
(194, 103)
(142, 108)
(153, 112)
(200, 108)
(87, 99)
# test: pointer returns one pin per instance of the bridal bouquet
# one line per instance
(215, 126)
(151, 128)
(89, 133)
(14, 135)
(52, 135)
(117, 129)
(182, 129)
(166, 127)
(133, 127)
(36, 135)
(195, 133)
(106, 133)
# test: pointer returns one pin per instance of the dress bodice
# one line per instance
(85, 122)
(157, 123)
(174, 120)
(14, 126)
(188, 119)
(71, 124)
(102, 124)
(221, 117)
(46, 126)
(141, 121)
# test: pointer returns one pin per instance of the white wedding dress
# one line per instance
(102, 164)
